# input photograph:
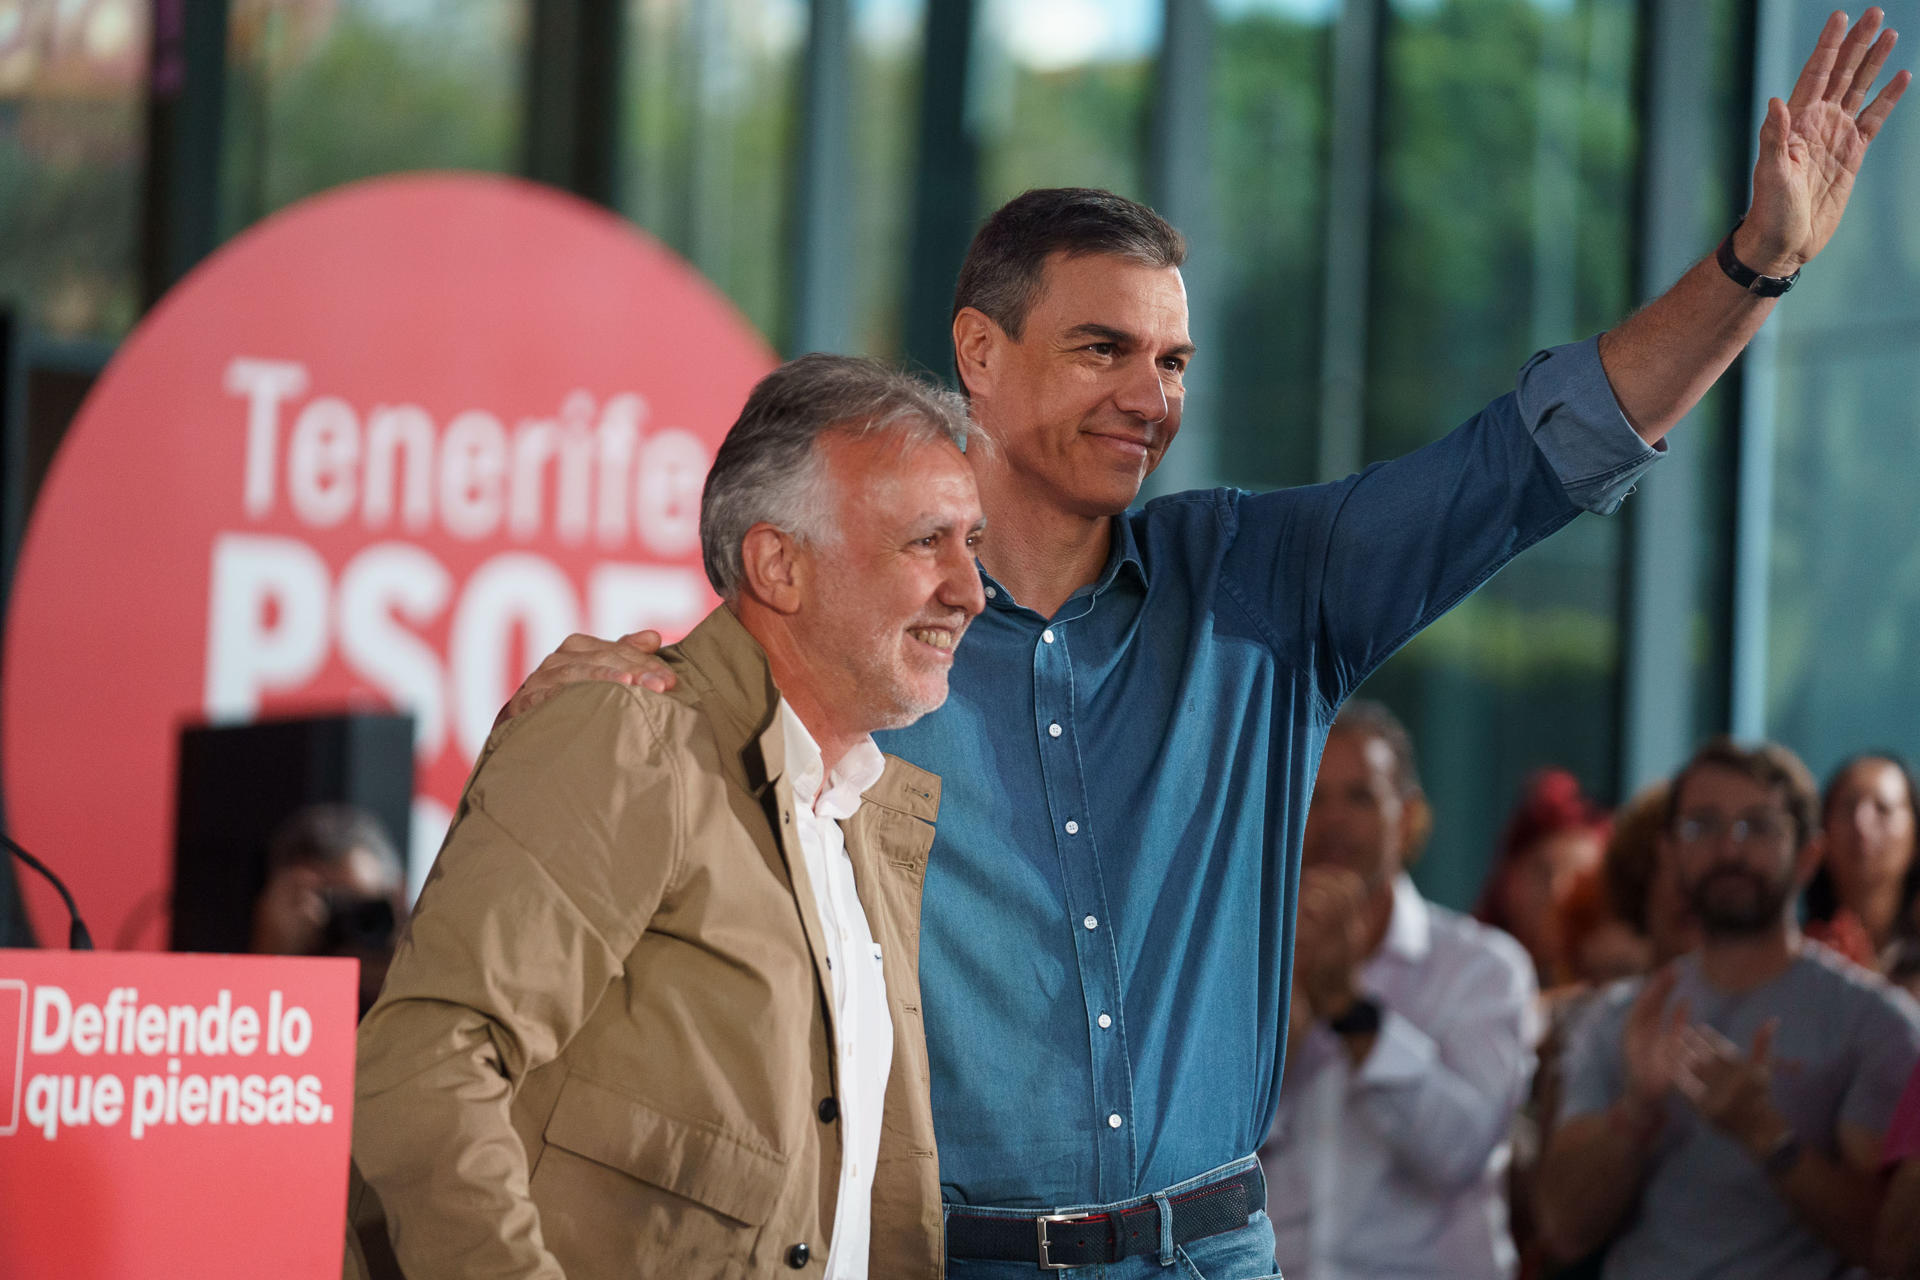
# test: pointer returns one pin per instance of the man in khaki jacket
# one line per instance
(657, 1012)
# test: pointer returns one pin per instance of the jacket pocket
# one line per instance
(691, 1159)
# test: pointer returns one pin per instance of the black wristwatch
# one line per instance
(1362, 1018)
(1745, 276)
(1779, 1162)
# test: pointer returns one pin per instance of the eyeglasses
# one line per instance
(1746, 830)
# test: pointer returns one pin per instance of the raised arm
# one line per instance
(1662, 359)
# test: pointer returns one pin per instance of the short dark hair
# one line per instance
(1376, 720)
(767, 468)
(1767, 763)
(1001, 277)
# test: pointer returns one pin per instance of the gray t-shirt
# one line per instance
(1846, 1043)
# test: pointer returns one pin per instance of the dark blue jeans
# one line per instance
(1245, 1254)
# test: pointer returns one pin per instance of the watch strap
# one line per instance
(1361, 1018)
(1745, 276)
(1785, 1154)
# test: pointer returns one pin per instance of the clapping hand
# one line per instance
(1330, 940)
(1652, 1045)
(1731, 1089)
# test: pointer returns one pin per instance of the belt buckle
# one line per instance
(1040, 1227)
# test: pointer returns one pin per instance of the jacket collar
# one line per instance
(725, 667)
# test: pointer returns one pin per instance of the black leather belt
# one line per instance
(1058, 1241)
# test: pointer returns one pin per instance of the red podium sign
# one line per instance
(165, 1116)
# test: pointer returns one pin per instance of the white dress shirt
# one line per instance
(862, 1024)
(1397, 1168)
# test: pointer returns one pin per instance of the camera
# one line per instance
(356, 924)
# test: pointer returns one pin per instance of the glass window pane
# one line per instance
(1060, 94)
(1709, 432)
(1272, 68)
(1504, 212)
(888, 36)
(1844, 591)
(322, 92)
(713, 101)
(72, 150)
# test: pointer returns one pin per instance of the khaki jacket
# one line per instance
(605, 1038)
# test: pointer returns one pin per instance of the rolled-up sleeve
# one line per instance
(1360, 565)
(1568, 405)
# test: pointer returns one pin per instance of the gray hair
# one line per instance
(768, 470)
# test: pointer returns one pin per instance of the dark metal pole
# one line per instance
(822, 292)
(572, 123)
(186, 116)
(1181, 186)
(946, 186)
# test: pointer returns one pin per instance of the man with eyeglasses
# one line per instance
(1724, 1117)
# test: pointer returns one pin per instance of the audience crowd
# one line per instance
(1674, 1040)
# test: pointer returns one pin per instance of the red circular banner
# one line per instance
(383, 450)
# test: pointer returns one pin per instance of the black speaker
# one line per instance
(240, 782)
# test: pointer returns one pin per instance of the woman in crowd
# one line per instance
(1862, 900)
(1554, 836)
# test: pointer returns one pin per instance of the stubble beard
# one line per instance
(1760, 912)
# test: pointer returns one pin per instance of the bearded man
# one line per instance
(1725, 1117)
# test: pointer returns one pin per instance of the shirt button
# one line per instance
(1073, 828)
(1106, 1020)
(1092, 922)
(1053, 730)
(993, 593)
(798, 1255)
(830, 1109)
(1114, 1121)
(1047, 635)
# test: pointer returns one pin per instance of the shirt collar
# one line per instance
(1410, 931)
(1123, 550)
(859, 769)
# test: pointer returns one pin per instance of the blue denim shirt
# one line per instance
(1107, 929)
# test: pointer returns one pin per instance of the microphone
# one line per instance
(78, 939)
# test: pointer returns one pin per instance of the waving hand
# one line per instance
(1812, 144)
